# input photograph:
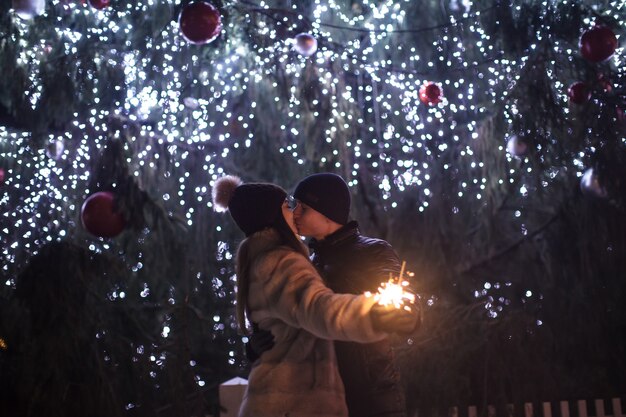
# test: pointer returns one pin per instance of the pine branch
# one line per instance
(511, 246)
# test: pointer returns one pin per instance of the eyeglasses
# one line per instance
(292, 202)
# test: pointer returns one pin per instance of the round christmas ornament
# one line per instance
(516, 147)
(99, 4)
(578, 93)
(200, 22)
(305, 44)
(431, 93)
(99, 217)
(590, 185)
(2, 176)
(28, 9)
(598, 43)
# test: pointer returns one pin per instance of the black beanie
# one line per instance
(253, 206)
(327, 193)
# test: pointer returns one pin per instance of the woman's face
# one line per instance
(288, 215)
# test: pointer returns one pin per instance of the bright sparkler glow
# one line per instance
(395, 292)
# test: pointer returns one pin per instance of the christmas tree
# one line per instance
(486, 141)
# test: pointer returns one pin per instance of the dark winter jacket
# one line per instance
(352, 263)
(298, 377)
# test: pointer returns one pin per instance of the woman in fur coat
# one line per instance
(279, 290)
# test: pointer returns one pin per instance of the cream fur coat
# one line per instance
(298, 377)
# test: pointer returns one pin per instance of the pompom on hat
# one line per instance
(253, 206)
(223, 191)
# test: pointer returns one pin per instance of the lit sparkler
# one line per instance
(394, 292)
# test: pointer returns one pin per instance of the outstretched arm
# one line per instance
(295, 293)
(292, 291)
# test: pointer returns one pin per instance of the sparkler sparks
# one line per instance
(394, 292)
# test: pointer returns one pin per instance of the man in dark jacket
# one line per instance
(351, 263)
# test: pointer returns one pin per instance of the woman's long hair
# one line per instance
(243, 263)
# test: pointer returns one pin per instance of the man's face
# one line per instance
(310, 222)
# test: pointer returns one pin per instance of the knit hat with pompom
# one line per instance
(253, 206)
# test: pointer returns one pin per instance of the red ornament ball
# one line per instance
(99, 4)
(578, 93)
(99, 217)
(200, 22)
(431, 93)
(598, 44)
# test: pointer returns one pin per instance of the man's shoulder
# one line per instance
(354, 247)
(369, 253)
(372, 244)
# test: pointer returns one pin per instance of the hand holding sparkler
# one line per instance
(393, 320)
(395, 311)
